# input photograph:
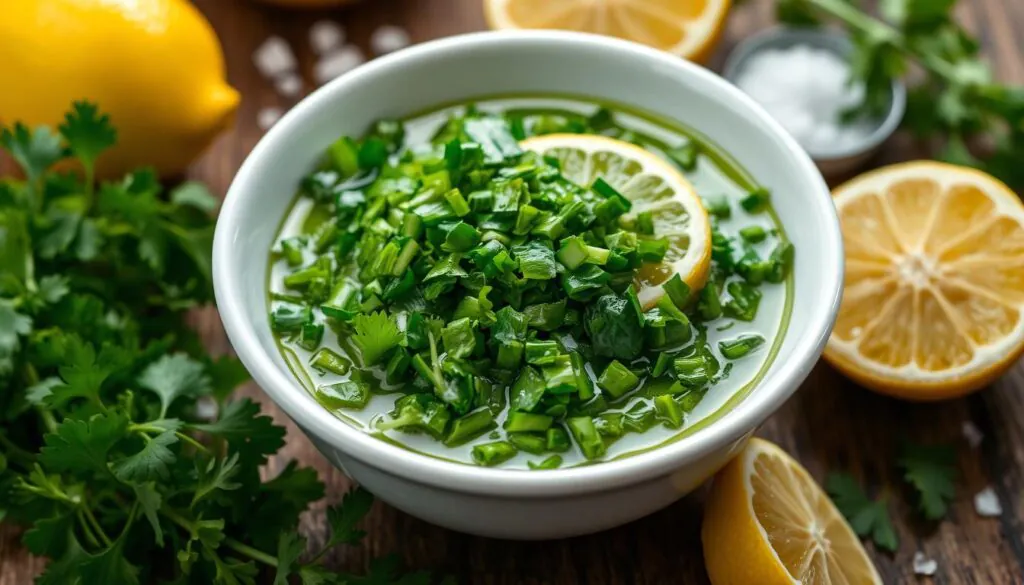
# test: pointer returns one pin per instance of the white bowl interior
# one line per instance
(484, 64)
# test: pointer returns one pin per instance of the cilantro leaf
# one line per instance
(375, 335)
(233, 572)
(173, 376)
(226, 374)
(110, 566)
(64, 569)
(149, 464)
(150, 501)
(930, 470)
(355, 505)
(83, 445)
(52, 288)
(87, 132)
(867, 517)
(34, 150)
(40, 391)
(290, 547)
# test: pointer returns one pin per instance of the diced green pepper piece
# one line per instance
(557, 439)
(610, 424)
(552, 462)
(470, 426)
(668, 412)
(542, 352)
(491, 454)
(528, 442)
(328, 360)
(617, 380)
(347, 394)
(734, 349)
(527, 390)
(518, 421)
(586, 436)
(559, 377)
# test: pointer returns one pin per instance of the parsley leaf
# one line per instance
(867, 517)
(151, 463)
(216, 475)
(194, 194)
(240, 421)
(355, 505)
(375, 335)
(150, 501)
(12, 325)
(930, 470)
(87, 132)
(173, 376)
(86, 371)
(83, 445)
(290, 547)
(49, 536)
(110, 566)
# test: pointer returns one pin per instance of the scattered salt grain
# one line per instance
(289, 85)
(325, 36)
(923, 565)
(986, 503)
(274, 58)
(337, 62)
(388, 39)
(267, 117)
(972, 434)
(806, 89)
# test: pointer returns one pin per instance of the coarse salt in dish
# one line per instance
(807, 90)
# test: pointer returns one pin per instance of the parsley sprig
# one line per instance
(957, 101)
(105, 454)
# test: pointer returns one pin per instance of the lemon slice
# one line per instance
(688, 28)
(651, 184)
(768, 522)
(934, 280)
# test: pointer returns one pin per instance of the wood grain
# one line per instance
(830, 424)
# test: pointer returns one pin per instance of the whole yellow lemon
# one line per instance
(155, 66)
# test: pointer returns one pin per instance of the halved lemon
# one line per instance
(651, 184)
(688, 28)
(768, 522)
(934, 280)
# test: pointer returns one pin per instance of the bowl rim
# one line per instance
(835, 41)
(314, 420)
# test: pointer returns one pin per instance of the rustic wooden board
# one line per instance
(830, 424)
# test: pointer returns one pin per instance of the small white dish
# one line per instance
(836, 162)
(507, 503)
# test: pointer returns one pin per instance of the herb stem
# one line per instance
(191, 441)
(86, 529)
(255, 554)
(96, 525)
(16, 453)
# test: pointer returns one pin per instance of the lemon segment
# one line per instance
(651, 184)
(934, 280)
(154, 66)
(690, 29)
(768, 522)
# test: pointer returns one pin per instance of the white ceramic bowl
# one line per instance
(507, 503)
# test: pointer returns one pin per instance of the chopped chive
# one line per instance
(756, 201)
(781, 262)
(685, 156)
(709, 306)
(311, 336)
(753, 234)
(734, 349)
(662, 365)
(718, 206)
(557, 439)
(744, 302)
(288, 317)
(639, 418)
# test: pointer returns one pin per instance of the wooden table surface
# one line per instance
(830, 424)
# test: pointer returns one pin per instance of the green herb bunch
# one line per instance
(105, 453)
(492, 290)
(957, 101)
